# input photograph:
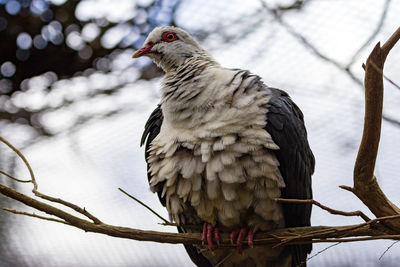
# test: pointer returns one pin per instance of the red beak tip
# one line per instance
(142, 51)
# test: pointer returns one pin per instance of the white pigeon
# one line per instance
(220, 147)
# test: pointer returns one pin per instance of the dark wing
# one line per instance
(151, 130)
(285, 124)
(195, 255)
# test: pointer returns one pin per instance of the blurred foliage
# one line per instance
(51, 49)
(47, 41)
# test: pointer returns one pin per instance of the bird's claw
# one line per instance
(237, 237)
(239, 240)
(204, 236)
(209, 233)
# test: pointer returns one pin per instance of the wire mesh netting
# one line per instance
(81, 132)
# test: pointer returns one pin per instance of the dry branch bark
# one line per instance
(366, 187)
(299, 235)
(330, 210)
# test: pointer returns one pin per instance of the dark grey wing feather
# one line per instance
(151, 130)
(152, 127)
(195, 255)
(285, 124)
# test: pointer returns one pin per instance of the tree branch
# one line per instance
(23, 159)
(387, 249)
(365, 184)
(330, 210)
(165, 221)
(14, 178)
(299, 235)
(36, 216)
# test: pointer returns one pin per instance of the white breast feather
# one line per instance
(215, 155)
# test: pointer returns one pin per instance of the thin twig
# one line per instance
(336, 231)
(347, 188)
(387, 249)
(388, 45)
(381, 219)
(173, 224)
(36, 216)
(75, 207)
(15, 178)
(23, 159)
(356, 239)
(83, 211)
(166, 222)
(330, 210)
(321, 251)
(384, 76)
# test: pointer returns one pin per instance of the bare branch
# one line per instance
(166, 222)
(299, 235)
(387, 249)
(348, 188)
(36, 216)
(323, 250)
(365, 185)
(330, 210)
(337, 233)
(14, 178)
(76, 208)
(357, 239)
(383, 75)
(35, 186)
(388, 45)
(23, 159)
(366, 157)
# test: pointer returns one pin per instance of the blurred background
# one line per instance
(75, 103)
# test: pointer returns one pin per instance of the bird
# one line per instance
(220, 147)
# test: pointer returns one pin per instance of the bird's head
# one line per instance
(169, 47)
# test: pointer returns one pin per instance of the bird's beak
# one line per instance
(142, 51)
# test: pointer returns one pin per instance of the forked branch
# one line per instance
(366, 187)
(35, 185)
(278, 237)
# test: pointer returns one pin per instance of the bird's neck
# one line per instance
(183, 87)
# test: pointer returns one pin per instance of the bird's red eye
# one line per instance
(169, 37)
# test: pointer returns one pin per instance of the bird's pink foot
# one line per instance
(210, 233)
(243, 232)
